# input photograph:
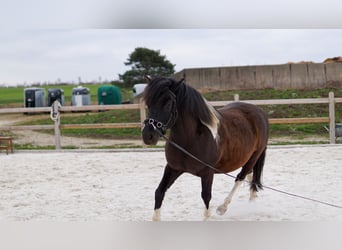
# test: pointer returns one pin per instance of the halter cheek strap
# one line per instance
(157, 125)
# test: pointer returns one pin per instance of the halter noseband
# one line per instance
(156, 124)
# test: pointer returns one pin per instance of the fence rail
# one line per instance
(56, 110)
(70, 108)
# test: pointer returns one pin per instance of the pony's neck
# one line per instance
(184, 128)
(188, 128)
(214, 123)
(195, 111)
(189, 125)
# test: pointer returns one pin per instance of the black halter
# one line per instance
(170, 122)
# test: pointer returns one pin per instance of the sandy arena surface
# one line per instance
(119, 186)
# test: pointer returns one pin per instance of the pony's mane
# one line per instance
(189, 101)
(156, 90)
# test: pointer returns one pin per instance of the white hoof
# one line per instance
(156, 215)
(253, 196)
(221, 210)
(206, 214)
(250, 177)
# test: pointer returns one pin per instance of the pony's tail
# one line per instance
(256, 184)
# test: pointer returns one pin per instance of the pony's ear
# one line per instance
(181, 81)
(176, 85)
(148, 78)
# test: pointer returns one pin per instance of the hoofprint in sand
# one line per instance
(119, 186)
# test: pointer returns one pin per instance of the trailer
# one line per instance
(34, 97)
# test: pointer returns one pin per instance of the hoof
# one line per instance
(206, 214)
(156, 215)
(253, 196)
(221, 210)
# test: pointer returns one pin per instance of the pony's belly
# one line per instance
(227, 167)
(191, 167)
(231, 162)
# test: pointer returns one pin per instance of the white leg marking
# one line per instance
(223, 208)
(253, 194)
(250, 177)
(156, 215)
(206, 214)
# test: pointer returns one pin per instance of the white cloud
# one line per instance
(170, 14)
(45, 55)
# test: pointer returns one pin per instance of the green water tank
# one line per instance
(108, 94)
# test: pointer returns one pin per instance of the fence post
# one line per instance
(142, 115)
(142, 110)
(55, 116)
(332, 118)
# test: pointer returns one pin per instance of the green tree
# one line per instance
(144, 62)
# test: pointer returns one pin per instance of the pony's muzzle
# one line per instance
(150, 134)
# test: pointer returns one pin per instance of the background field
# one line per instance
(13, 97)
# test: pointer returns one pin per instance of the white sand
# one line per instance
(119, 186)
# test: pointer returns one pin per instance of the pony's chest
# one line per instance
(187, 161)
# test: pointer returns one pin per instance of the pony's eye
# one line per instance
(150, 121)
(159, 124)
(168, 106)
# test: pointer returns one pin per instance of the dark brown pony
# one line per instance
(229, 138)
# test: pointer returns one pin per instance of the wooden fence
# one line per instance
(56, 110)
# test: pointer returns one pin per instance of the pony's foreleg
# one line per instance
(207, 182)
(168, 179)
(223, 208)
(156, 215)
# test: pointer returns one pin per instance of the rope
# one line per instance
(232, 176)
(54, 114)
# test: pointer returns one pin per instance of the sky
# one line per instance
(72, 41)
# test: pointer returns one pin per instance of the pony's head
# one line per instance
(160, 99)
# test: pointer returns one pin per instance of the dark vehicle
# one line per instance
(34, 97)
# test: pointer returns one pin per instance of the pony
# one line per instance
(232, 137)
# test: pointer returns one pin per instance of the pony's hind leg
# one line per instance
(169, 177)
(223, 208)
(253, 193)
(246, 169)
(255, 181)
